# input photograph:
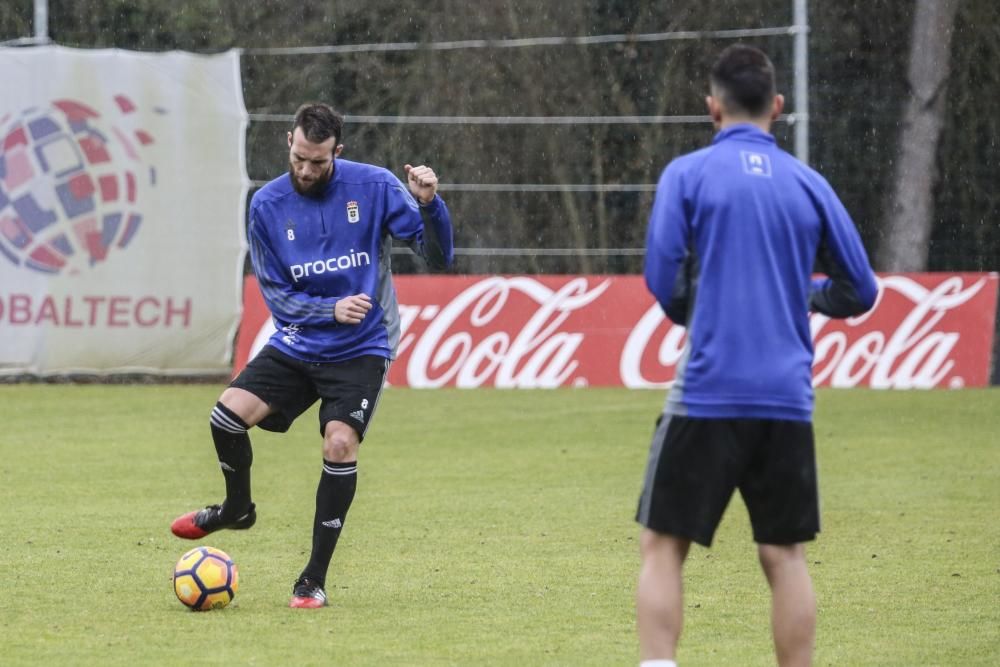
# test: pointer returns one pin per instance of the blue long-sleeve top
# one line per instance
(736, 231)
(310, 252)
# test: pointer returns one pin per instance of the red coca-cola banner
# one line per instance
(926, 330)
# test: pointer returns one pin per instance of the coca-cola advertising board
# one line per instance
(926, 331)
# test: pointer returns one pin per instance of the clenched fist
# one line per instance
(423, 182)
(352, 309)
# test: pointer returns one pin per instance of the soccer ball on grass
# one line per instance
(206, 578)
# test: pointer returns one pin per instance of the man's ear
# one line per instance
(714, 109)
(336, 151)
(289, 139)
(778, 106)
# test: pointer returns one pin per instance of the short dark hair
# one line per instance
(319, 122)
(743, 77)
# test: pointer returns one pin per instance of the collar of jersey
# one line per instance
(337, 173)
(744, 131)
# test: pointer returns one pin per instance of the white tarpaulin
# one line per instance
(122, 192)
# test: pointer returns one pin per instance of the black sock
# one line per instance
(333, 499)
(232, 444)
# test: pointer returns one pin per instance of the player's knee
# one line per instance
(340, 443)
(338, 449)
(248, 407)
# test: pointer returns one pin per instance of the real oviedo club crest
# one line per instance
(71, 181)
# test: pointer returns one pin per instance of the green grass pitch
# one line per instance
(490, 527)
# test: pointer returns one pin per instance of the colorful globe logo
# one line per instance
(70, 185)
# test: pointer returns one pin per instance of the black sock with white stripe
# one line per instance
(333, 498)
(232, 444)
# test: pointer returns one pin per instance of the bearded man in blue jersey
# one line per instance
(320, 240)
(734, 236)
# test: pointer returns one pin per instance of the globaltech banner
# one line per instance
(122, 189)
(927, 330)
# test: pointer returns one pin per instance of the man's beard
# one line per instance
(314, 189)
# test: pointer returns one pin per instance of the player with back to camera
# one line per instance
(320, 240)
(735, 233)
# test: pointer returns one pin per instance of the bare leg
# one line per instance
(247, 406)
(659, 595)
(793, 604)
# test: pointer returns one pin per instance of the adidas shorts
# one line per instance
(696, 464)
(348, 391)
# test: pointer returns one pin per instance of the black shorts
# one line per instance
(696, 464)
(349, 390)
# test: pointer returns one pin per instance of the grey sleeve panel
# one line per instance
(386, 296)
(433, 252)
(428, 246)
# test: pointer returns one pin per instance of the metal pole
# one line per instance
(801, 20)
(41, 21)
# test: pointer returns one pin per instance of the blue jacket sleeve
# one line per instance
(849, 287)
(426, 229)
(667, 243)
(286, 303)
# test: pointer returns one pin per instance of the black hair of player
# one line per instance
(743, 78)
(319, 122)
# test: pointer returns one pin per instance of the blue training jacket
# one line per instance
(736, 231)
(310, 252)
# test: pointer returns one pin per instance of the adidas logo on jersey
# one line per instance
(359, 415)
